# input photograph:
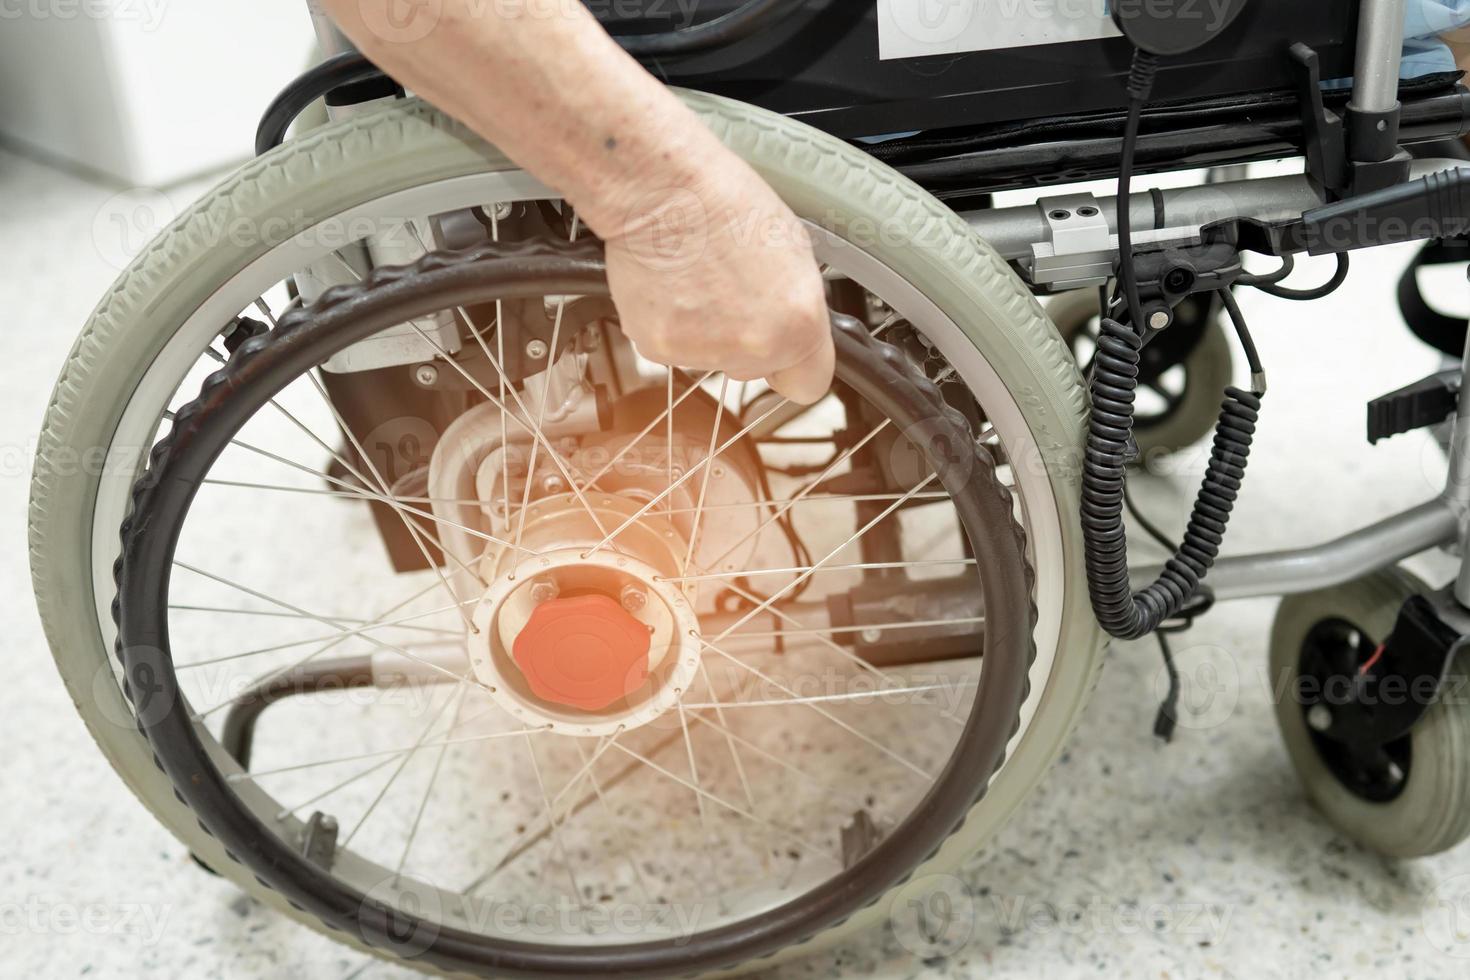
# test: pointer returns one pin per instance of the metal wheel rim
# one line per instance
(1044, 536)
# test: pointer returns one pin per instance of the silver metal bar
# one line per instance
(1430, 525)
(1380, 54)
(1012, 231)
(1457, 487)
(329, 37)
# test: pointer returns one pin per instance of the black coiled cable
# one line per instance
(1121, 611)
(1114, 384)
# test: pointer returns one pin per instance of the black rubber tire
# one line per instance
(264, 365)
(1431, 813)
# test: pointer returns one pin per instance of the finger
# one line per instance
(808, 381)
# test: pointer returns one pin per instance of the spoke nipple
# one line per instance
(633, 598)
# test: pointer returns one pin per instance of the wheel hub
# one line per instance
(584, 652)
(581, 640)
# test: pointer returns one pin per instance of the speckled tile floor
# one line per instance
(1201, 858)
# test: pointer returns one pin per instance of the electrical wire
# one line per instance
(1344, 266)
(1114, 382)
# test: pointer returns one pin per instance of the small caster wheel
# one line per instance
(1184, 372)
(1409, 798)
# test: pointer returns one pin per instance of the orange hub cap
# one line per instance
(585, 652)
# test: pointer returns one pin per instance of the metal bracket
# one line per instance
(1385, 702)
(1078, 248)
(319, 843)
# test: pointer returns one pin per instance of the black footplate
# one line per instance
(1423, 403)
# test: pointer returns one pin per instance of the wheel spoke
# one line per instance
(666, 417)
(729, 740)
(739, 811)
(820, 635)
(369, 495)
(537, 833)
(701, 467)
(341, 494)
(343, 634)
(806, 491)
(524, 419)
(281, 614)
(289, 668)
(714, 435)
(561, 307)
(853, 697)
(885, 750)
(418, 816)
(620, 828)
(798, 569)
(699, 794)
(556, 840)
(409, 524)
(839, 630)
(822, 786)
(391, 754)
(403, 763)
(325, 622)
(795, 583)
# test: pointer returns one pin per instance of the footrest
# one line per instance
(1423, 403)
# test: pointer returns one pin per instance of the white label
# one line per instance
(915, 28)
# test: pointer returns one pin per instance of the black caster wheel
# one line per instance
(1408, 798)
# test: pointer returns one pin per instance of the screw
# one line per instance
(871, 637)
(1087, 212)
(1160, 320)
(1319, 717)
(427, 375)
(634, 598)
(544, 590)
(1060, 215)
(536, 350)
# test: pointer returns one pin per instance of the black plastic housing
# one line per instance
(1170, 28)
(821, 64)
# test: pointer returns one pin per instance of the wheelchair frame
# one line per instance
(1082, 147)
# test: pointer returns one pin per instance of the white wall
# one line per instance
(146, 91)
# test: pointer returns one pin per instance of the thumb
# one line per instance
(807, 381)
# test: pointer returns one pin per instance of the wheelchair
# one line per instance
(414, 601)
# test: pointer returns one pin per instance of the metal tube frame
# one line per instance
(1380, 55)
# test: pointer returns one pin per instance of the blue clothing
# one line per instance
(1424, 22)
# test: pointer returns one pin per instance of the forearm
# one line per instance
(549, 87)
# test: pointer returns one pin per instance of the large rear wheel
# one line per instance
(282, 518)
